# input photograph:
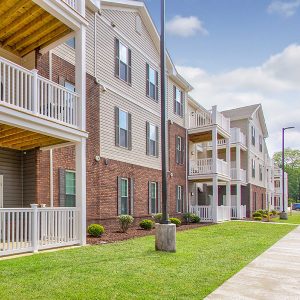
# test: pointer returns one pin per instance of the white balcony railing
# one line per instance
(235, 175)
(72, 3)
(222, 121)
(203, 212)
(236, 136)
(241, 209)
(27, 91)
(204, 166)
(224, 213)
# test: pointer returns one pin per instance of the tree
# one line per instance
(292, 167)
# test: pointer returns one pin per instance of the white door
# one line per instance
(1, 191)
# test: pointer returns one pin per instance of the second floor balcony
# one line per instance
(238, 175)
(30, 94)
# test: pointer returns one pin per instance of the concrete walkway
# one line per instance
(273, 275)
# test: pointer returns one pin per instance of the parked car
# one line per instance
(296, 206)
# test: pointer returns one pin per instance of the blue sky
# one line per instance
(239, 52)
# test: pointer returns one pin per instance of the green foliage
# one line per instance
(264, 215)
(195, 219)
(147, 224)
(157, 217)
(95, 230)
(175, 221)
(274, 212)
(257, 218)
(257, 214)
(191, 218)
(125, 222)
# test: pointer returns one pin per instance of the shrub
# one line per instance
(157, 217)
(175, 221)
(260, 211)
(125, 222)
(147, 224)
(257, 214)
(195, 219)
(274, 212)
(257, 218)
(187, 217)
(95, 230)
(264, 216)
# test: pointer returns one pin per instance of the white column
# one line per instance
(34, 228)
(238, 160)
(215, 201)
(214, 149)
(228, 194)
(80, 74)
(81, 188)
(281, 196)
(238, 199)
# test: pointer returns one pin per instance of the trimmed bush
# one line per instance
(195, 219)
(187, 217)
(274, 212)
(264, 216)
(157, 217)
(147, 224)
(257, 218)
(125, 222)
(175, 221)
(95, 230)
(257, 214)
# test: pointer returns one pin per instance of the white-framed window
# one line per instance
(253, 135)
(178, 101)
(179, 198)
(123, 129)
(70, 181)
(260, 143)
(122, 61)
(260, 173)
(253, 168)
(179, 146)
(152, 139)
(124, 197)
(153, 197)
(151, 83)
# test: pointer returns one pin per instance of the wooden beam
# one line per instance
(42, 144)
(25, 141)
(38, 34)
(9, 14)
(17, 136)
(63, 30)
(11, 29)
(56, 38)
(11, 131)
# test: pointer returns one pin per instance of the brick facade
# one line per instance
(258, 197)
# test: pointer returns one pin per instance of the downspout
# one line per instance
(187, 170)
(51, 150)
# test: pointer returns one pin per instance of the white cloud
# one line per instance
(185, 26)
(284, 8)
(275, 84)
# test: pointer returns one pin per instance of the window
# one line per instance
(71, 42)
(151, 83)
(277, 183)
(260, 173)
(70, 189)
(253, 135)
(122, 61)
(179, 142)
(260, 143)
(152, 140)
(178, 102)
(154, 205)
(179, 198)
(69, 86)
(124, 196)
(123, 128)
(253, 168)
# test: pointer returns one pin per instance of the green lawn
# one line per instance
(205, 258)
(292, 219)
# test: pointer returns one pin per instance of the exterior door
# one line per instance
(1, 191)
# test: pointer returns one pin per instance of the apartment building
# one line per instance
(123, 119)
(36, 112)
(278, 202)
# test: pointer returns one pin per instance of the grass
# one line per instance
(205, 258)
(292, 219)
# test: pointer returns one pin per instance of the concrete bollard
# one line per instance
(165, 237)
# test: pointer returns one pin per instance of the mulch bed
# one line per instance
(111, 236)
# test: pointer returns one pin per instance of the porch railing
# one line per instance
(205, 166)
(236, 136)
(234, 211)
(33, 229)
(203, 212)
(200, 119)
(242, 175)
(27, 91)
(224, 213)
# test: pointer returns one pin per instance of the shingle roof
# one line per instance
(240, 112)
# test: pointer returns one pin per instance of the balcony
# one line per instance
(27, 92)
(278, 190)
(238, 176)
(236, 136)
(204, 167)
(203, 121)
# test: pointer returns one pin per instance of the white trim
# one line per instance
(1, 191)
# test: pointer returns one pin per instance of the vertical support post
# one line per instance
(214, 114)
(214, 149)
(80, 75)
(215, 201)
(228, 158)
(80, 149)
(238, 200)
(228, 194)
(35, 100)
(34, 227)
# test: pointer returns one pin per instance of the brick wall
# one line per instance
(260, 201)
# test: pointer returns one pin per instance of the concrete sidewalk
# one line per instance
(273, 275)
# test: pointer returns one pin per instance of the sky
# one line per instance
(239, 52)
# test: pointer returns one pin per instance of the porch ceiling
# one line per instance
(202, 137)
(25, 26)
(20, 139)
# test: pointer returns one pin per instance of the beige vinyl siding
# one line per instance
(170, 96)
(29, 178)
(139, 117)
(125, 21)
(106, 67)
